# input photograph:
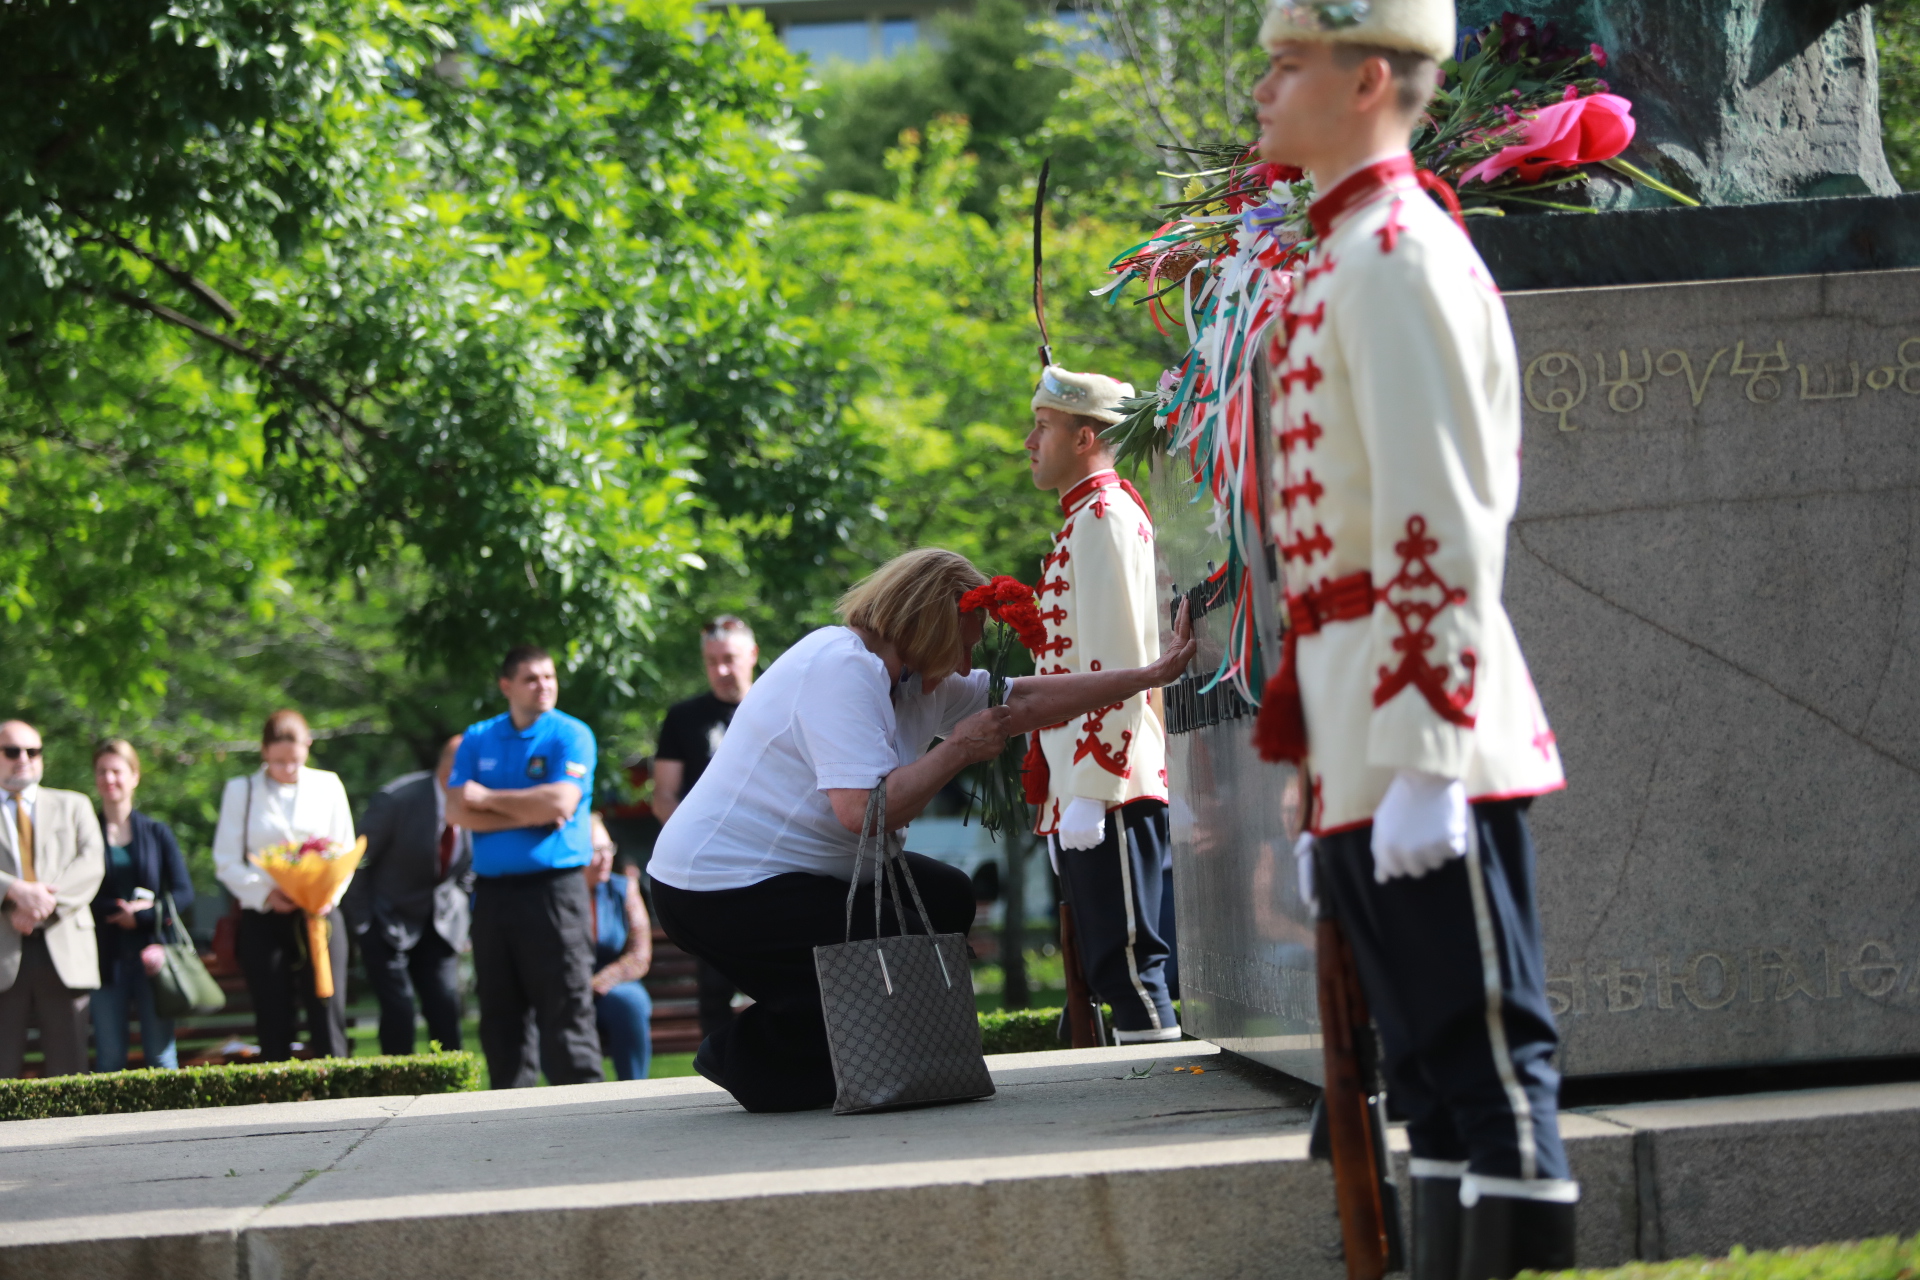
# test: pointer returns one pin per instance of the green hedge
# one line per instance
(1020, 1030)
(157, 1089)
(1887, 1258)
(1027, 1030)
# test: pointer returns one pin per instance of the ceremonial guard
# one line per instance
(1105, 779)
(1403, 693)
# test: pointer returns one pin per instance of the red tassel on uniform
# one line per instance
(1035, 777)
(1280, 734)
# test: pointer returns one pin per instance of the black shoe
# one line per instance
(707, 1063)
(1436, 1229)
(1502, 1236)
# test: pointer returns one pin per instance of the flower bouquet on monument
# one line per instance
(311, 872)
(1013, 616)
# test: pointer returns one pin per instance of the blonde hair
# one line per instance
(912, 600)
(118, 747)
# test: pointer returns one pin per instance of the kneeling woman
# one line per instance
(751, 871)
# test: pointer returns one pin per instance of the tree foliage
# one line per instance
(347, 343)
(927, 306)
(1897, 31)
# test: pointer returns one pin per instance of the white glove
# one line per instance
(1423, 821)
(1084, 824)
(1303, 871)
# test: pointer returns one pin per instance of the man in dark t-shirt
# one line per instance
(689, 736)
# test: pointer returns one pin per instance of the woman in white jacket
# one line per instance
(283, 800)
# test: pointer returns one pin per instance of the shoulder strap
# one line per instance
(246, 824)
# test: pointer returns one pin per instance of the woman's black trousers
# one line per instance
(774, 1057)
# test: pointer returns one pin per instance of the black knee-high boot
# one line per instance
(1436, 1219)
(1501, 1236)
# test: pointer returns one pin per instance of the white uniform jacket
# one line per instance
(1398, 418)
(1098, 598)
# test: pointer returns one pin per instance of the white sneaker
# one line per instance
(1149, 1036)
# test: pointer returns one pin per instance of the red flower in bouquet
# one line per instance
(1009, 601)
(1565, 135)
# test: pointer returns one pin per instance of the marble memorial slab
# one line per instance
(1716, 577)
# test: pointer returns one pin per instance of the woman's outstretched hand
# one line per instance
(982, 735)
(1173, 663)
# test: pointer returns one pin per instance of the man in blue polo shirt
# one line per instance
(522, 783)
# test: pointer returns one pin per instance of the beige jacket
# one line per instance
(1398, 424)
(1098, 599)
(70, 855)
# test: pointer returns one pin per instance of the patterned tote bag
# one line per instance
(900, 1014)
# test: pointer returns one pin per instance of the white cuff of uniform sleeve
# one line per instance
(1421, 1167)
(1542, 1190)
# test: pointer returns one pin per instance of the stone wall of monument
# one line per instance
(1716, 576)
(1737, 100)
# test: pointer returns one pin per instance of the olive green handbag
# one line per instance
(183, 985)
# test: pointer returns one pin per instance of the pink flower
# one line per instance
(1563, 136)
(1599, 56)
(1570, 94)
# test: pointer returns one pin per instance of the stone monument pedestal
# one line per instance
(1715, 575)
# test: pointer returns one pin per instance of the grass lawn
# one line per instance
(1886, 1258)
(365, 1038)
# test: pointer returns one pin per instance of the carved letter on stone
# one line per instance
(1876, 976)
(1626, 393)
(1567, 992)
(1664, 982)
(1794, 978)
(1670, 365)
(1807, 392)
(1759, 371)
(1560, 400)
(1727, 983)
(1887, 375)
(1626, 988)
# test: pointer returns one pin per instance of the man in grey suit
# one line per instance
(408, 905)
(52, 861)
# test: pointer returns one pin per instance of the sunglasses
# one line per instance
(14, 753)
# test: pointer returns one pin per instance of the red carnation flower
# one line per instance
(1010, 602)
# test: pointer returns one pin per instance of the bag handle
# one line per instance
(874, 826)
(874, 820)
(172, 928)
(246, 825)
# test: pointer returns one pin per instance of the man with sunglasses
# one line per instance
(1105, 811)
(52, 860)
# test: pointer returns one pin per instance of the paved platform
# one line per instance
(1095, 1163)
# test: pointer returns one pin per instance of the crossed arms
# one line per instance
(481, 809)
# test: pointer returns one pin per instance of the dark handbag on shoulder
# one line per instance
(900, 1015)
(183, 985)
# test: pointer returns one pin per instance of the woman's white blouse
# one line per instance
(314, 806)
(824, 716)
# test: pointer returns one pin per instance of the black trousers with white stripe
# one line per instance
(1454, 973)
(1115, 890)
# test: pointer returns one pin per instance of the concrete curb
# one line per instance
(1201, 1174)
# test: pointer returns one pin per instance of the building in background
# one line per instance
(851, 30)
(859, 30)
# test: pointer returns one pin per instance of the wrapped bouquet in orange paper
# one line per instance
(311, 872)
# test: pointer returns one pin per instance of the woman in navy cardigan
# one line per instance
(141, 855)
